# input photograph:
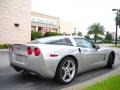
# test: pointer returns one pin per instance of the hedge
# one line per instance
(47, 34)
(4, 46)
(35, 35)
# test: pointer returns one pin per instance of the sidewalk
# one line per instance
(82, 85)
(4, 50)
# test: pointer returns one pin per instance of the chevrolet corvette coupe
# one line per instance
(59, 57)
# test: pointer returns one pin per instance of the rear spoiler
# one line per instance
(10, 45)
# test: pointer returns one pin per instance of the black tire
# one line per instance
(17, 69)
(25, 73)
(59, 71)
(110, 61)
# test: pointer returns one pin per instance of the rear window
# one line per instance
(64, 41)
(52, 40)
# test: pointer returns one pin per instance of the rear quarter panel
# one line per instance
(62, 51)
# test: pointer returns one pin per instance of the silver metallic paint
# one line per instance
(46, 66)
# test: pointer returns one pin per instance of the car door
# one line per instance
(91, 57)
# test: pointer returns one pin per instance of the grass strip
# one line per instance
(111, 83)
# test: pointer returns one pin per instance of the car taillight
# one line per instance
(29, 50)
(37, 51)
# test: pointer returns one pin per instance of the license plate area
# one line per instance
(20, 58)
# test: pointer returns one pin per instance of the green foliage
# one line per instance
(96, 29)
(4, 46)
(35, 35)
(112, 83)
(47, 34)
(79, 33)
(108, 37)
(99, 38)
(87, 37)
(74, 33)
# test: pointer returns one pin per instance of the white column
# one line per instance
(36, 28)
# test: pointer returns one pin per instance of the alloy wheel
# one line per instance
(68, 70)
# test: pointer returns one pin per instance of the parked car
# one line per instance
(59, 57)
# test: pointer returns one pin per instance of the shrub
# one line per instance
(35, 35)
(4, 46)
(47, 34)
(106, 41)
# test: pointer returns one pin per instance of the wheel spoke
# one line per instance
(68, 63)
(69, 75)
(72, 68)
(64, 76)
(63, 68)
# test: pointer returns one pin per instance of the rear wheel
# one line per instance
(66, 70)
(25, 73)
(17, 69)
(110, 61)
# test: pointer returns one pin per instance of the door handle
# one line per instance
(79, 50)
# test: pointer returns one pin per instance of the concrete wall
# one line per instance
(11, 12)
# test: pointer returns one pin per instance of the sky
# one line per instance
(82, 13)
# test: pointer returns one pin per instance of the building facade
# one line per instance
(15, 21)
(44, 23)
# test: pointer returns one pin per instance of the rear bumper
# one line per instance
(44, 72)
(22, 68)
(44, 68)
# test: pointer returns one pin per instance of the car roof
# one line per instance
(63, 37)
(46, 39)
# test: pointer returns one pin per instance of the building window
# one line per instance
(40, 29)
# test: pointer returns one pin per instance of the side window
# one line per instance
(68, 42)
(83, 43)
(64, 41)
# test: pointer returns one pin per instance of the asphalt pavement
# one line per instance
(12, 80)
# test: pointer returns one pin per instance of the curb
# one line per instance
(4, 50)
(82, 85)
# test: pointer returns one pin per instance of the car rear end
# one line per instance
(29, 57)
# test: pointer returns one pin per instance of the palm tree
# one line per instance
(79, 34)
(96, 29)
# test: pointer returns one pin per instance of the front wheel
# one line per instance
(66, 70)
(110, 61)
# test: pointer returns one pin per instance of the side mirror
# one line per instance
(97, 47)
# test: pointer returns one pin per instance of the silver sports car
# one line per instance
(59, 57)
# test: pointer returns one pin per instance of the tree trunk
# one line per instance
(95, 37)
